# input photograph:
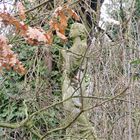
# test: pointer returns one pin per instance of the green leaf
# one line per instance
(135, 62)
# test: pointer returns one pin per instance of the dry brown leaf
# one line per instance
(8, 19)
(36, 35)
(63, 37)
(21, 10)
(8, 59)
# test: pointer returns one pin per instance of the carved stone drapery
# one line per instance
(74, 85)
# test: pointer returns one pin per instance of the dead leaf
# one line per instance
(8, 59)
(63, 37)
(21, 10)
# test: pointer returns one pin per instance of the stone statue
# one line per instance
(74, 85)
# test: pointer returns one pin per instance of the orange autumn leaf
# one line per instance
(62, 30)
(33, 35)
(36, 36)
(63, 37)
(21, 10)
(59, 21)
(63, 19)
(7, 19)
(73, 14)
(8, 59)
(54, 25)
(49, 37)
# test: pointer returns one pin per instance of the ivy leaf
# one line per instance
(135, 62)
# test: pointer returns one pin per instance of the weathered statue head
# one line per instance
(78, 29)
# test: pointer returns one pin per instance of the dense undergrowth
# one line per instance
(114, 66)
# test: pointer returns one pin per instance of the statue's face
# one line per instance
(77, 29)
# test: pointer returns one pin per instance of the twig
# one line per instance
(64, 127)
(113, 98)
(37, 6)
(103, 98)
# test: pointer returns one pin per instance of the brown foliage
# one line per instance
(33, 35)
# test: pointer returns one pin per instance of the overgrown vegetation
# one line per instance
(31, 104)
